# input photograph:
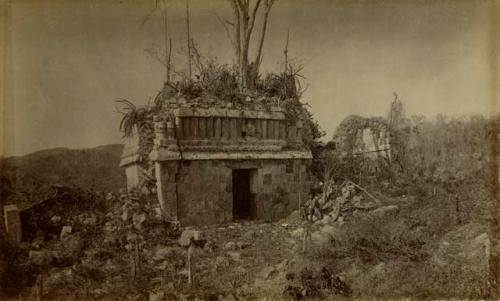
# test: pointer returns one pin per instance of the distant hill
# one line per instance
(94, 169)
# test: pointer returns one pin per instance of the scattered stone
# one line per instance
(228, 297)
(162, 252)
(243, 245)
(98, 293)
(209, 246)
(357, 214)
(282, 265)
(158, 211)
(267, 272)
(12, 220)
(110, 241)
(41, 257)
(162, 266)
(170, 287)
(298, 233)
(248, 235)
(132, 237)
(328, 230)
(65, 231)
(109, 227)
(55, 219)
(221, 261)
(327, 219)
(382, 211)
(235, 256)
(156, 296)
(138, 219)
(230, 245)
(125, 215)
(90, 221)
(187, 236)
(73, 246)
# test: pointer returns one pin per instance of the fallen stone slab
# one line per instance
(267, 272)
(65, 231)
(187, 236)
(383, 211)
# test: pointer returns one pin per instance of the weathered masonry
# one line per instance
(217, 165)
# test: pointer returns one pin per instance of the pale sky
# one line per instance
(69, 60)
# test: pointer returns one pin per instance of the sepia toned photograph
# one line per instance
(228, 150)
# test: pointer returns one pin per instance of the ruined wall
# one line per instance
(199, 192)
(279, 184)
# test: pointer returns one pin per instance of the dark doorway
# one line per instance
(242, 197)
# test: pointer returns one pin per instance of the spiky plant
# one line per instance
(132, 116)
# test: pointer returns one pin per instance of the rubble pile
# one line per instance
(339, 203)
(125, 249)
(119, 242)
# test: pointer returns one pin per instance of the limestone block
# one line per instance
(225, 128)
(217, 128)
(239, 127)
(282, 129)
(294, 188)
(210, 127)
(170, 186)
(258, 129)
(178, 128)
(186, 127)
(133, 173)
(194, 127)
(276, 124)
(196, 188)
(233, 131)
(202, 126)
(264, 134)
(183, 189)
(12, 222)
(268, 179)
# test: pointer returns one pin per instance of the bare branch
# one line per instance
(252, 18)
(228, 34)
(237, 34)
(258, 58)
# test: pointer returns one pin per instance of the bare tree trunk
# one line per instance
(167, 48)
(169, 65)
(258, 57)
(245, 40)
(188, 40)
(237, 33)
(285, 52)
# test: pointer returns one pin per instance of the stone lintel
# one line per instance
(229, 113)
(164, 155)
(158, 155)
(129, 160)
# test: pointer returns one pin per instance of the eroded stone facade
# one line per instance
(197, 192)
(198, 150)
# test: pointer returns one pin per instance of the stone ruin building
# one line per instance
(218, 163)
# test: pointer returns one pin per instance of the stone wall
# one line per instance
(199, 192)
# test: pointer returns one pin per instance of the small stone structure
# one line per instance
(12, 222)
(216, 164)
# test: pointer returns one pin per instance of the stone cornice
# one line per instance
(164, 155)
(275, 114)
(130, 159)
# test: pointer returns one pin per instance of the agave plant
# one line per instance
(132, 116)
